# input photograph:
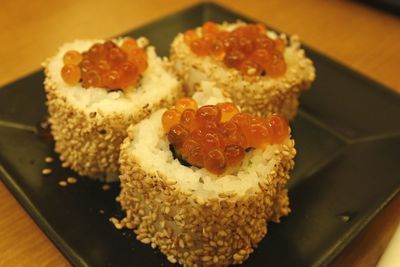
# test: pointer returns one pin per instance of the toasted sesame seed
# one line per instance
(215, 259)
(206, 258)
(64, 165)
(48, 159)
(47, 171)
(243, 252)
(62, 183)
(114, 220)
(146, 240)
(117, 223)
(171, 259)
(71, 180)
(237, 257)
(106, 187)
(166, 210)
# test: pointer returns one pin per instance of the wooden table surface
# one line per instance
(362, 38)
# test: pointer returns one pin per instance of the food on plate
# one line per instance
(201, 179)
(261, 71)
(95, 89)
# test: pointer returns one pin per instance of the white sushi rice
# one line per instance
(151, 148)
(89, 124)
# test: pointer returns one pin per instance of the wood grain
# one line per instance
(22, 243)
(357, 36)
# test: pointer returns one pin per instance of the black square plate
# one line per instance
(347, 169)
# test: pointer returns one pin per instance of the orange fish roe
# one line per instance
(216, 136)
(105, 65)
(247, 48)
(72, 57)
(71, 74)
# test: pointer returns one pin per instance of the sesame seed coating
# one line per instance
(88, 142)
(47, 171)
(199, 231)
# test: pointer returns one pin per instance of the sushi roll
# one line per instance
(261, 71)
(201, 186)
(95, 89)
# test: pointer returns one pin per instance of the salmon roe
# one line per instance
(216, 136)
(105, 65)
(247, 48)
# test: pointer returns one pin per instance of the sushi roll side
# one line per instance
(89, 124)
(260, 96)
(194, 217)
